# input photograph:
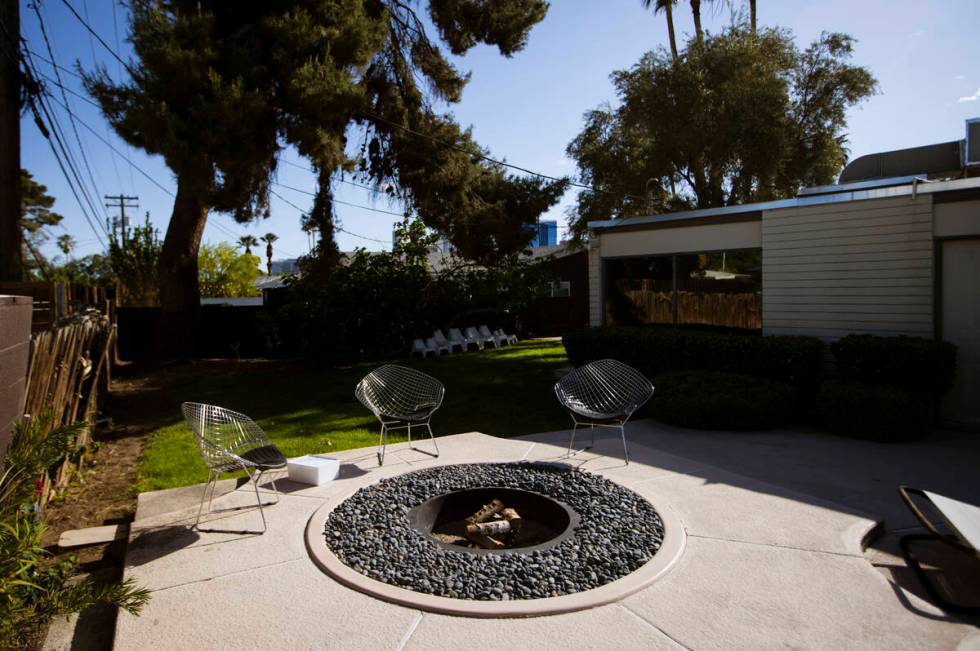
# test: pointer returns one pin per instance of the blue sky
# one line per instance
(527, 108)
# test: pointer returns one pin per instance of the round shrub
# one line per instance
(926, 366)
(876, 412)
(725, 401)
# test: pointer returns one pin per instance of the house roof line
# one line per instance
(859, 191)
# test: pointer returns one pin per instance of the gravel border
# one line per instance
(619, 532)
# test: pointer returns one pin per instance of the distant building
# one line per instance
(546, 235)
(288, 266)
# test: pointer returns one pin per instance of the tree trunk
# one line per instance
(180, 295)
(752, 14)
(670, 30)
(696, 10)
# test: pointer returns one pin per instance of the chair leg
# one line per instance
(592, 444)
(432, 437)
(254, 476)
(914, 565)
(571, 441)
(382, 444)
(626, 452)
(208, 486)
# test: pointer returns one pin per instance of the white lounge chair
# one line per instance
(510, 339)
(432, 344)
(962, 519)
(420, 347)
(498, 340)
(457, 337)
(485, 341)
(442, 341)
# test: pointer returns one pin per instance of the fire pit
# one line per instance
(494, 520)
(577, 532)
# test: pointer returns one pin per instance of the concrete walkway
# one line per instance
(765, 566)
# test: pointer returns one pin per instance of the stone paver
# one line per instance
(765, 566)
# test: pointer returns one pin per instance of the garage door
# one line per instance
(961, 326)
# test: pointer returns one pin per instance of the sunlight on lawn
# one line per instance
(505, 392)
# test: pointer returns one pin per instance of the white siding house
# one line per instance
(885, 257)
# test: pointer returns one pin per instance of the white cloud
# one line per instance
(970, 98)
(959, 77)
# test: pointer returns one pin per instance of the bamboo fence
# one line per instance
(728, 310)
(69, 369)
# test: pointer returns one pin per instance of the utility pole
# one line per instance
(11, 268)
(120, 202)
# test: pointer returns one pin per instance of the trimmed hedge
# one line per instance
(725, 401)
(876, 412)
(922, 365)
(657, 350)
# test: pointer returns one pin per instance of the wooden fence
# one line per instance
(727, 310)
(54, 301)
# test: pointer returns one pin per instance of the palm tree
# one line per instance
(752, 14)
(66, 243)
(248, 241)
(696, 10)
(269, 238)
(666, 6)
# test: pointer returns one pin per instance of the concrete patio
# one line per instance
(773, 558)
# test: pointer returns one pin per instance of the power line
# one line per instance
(344, 203)
(71, 119)
(338, 228)
(107, 144)
(98, 38)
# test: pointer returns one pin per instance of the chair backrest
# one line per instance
(472, 333)
(418, 345)
(431, 344)
(220, 431)
(396, 391)
(605, 386)
(485, 331)
(455, 334)
(438, 336)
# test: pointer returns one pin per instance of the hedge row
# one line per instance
(923, 365)
(656, 350)
(889, 386)
(725, 401)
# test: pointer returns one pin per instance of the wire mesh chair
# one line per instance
(400, 398)
(230, 441)
(604, 393)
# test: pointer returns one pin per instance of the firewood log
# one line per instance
(486, 512)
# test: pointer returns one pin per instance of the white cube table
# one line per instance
(313, 469)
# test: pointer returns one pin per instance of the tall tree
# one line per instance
(220, 88)
(696, 12)
(36, 220)
(666, 6)
(752, 15)
(742, 117)
(247, 242)
(269, 238)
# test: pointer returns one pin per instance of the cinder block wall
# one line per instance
(15, 342)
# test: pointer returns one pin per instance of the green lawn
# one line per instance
(304, 409)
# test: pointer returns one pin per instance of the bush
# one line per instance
(33, 588)
(876, 412)
(656, 350)
(922, 365)
(728, 401)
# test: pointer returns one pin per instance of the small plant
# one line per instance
(34, 588)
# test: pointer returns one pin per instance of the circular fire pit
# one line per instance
(582, 540)
(545, 522)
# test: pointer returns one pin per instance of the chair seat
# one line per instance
(267, 457)
(585, 411)
(421, 413)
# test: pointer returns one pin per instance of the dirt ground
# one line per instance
(104, 491)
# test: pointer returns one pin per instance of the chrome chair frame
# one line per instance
(230, 441)
(604, 393)
(401, 398)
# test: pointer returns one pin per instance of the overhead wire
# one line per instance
(343, 203)
(337, 228)
(71, 118)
